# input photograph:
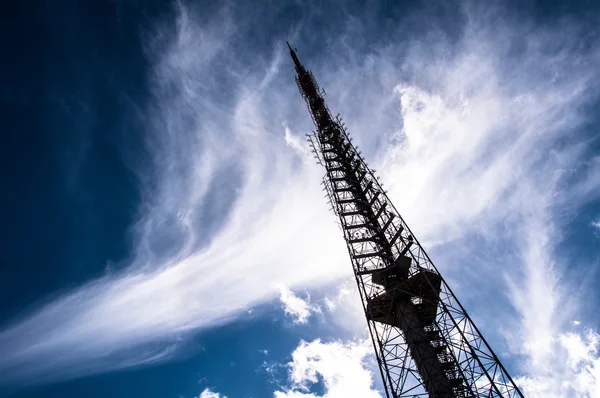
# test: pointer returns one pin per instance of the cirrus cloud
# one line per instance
(480, 140)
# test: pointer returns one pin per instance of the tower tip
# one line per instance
(294, 56)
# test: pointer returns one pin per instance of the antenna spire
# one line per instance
(294, 57)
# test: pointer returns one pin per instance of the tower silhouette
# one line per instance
(425, 343)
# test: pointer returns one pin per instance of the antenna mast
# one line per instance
(425, 343)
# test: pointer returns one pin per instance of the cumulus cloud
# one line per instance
(208, 393)
(573, 372)
(339, 366)
(479, 141)
(296, 307)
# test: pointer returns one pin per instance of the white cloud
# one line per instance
(596, 224)
(477, 145)
(271, 368)
(207, 393)
(343, 310)
(340, 367)
(573, 372)
(296, 307)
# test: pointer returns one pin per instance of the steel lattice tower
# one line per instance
(425, 342)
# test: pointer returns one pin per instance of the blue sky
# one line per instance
(165, 233)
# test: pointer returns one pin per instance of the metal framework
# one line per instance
(425, 343)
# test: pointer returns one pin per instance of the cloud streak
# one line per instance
(479, 140)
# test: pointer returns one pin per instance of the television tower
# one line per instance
(425, 343)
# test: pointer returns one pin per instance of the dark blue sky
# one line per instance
(75, 97)
(78, 88)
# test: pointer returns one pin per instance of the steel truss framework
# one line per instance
(425, 342)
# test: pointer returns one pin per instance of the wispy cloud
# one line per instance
(478, 140)
(299, 309)
(227, 202)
